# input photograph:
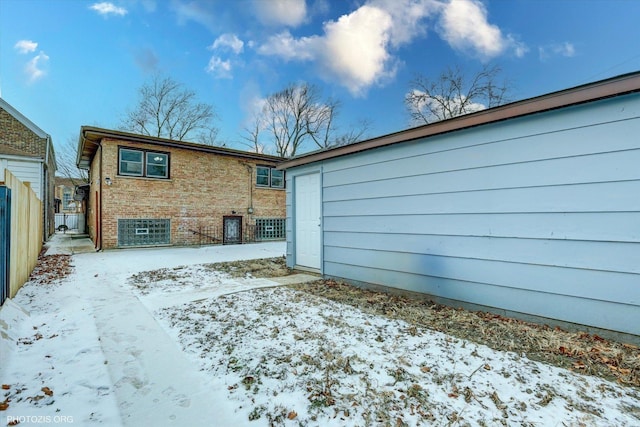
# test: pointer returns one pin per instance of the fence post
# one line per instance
(5, 242)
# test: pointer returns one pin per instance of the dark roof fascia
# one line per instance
(612, 87)
(91, 137)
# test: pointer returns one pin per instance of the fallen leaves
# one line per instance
(50, 269)
(589, 353)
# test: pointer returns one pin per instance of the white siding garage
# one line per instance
(531, 208)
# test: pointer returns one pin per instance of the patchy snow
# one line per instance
(188, 345)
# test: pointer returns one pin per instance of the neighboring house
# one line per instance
(65, 194)
(27, 151)
(528, 208)
(148, 191)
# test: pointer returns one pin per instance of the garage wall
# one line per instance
(537, 215)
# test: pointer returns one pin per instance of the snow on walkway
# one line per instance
(104, 346)
(90, 352)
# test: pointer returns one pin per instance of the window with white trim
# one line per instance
(269, 177)
(150, 164)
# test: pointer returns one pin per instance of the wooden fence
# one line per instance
(26, 232)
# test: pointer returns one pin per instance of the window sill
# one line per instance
(146, 178)
(260, 187)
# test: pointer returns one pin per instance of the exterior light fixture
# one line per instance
(107, 180)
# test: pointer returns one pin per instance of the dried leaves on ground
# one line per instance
(50, 269)
(578, 351)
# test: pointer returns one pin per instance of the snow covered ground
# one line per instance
(200, 348)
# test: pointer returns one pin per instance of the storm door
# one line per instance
(232, 230)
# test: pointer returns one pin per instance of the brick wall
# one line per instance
(16, 135)
(202, 188)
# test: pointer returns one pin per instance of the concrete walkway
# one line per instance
(155, 382)
(69, 243)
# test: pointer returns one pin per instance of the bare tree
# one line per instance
(354, 134)
(169, 110)
(66, 155)
(453, 94)
(295, 118)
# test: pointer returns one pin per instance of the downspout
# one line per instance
(100, 181)
(45, 191)
(250, 170)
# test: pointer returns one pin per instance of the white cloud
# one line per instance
(26, 46)
(228, 41)
(356, 48)
(290, 13)
(465, 27)
(352, 50)
(35, 68)
(565, 49)
(288, 48)
(106, 8)
(219, 68)
(408, 17)
(196, 11)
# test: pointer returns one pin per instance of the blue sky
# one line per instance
(68, 63)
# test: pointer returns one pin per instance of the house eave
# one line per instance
(91, 137)
(22, 119)
(615, 86)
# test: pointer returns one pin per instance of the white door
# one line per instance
(307, 220)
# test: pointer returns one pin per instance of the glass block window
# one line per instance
(144, 232)
(270, 228)
(149, 164)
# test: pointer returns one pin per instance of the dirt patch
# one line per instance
(577, 351)
(258, 268)
(173, 279)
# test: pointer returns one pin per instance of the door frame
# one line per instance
(224, 229)
(294, 248)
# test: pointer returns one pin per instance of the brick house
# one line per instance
(149, 191)
(27, 152)
(65, 194)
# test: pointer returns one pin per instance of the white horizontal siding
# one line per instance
(539, 215)
(27, 172)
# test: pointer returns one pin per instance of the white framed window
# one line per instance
(67, 198)
(269, 177)
(151, 164)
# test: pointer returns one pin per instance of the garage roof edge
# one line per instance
(615, 86)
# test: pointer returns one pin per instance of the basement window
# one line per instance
(269, 177)
(144, 232)
(270, 228)
(150, 164)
